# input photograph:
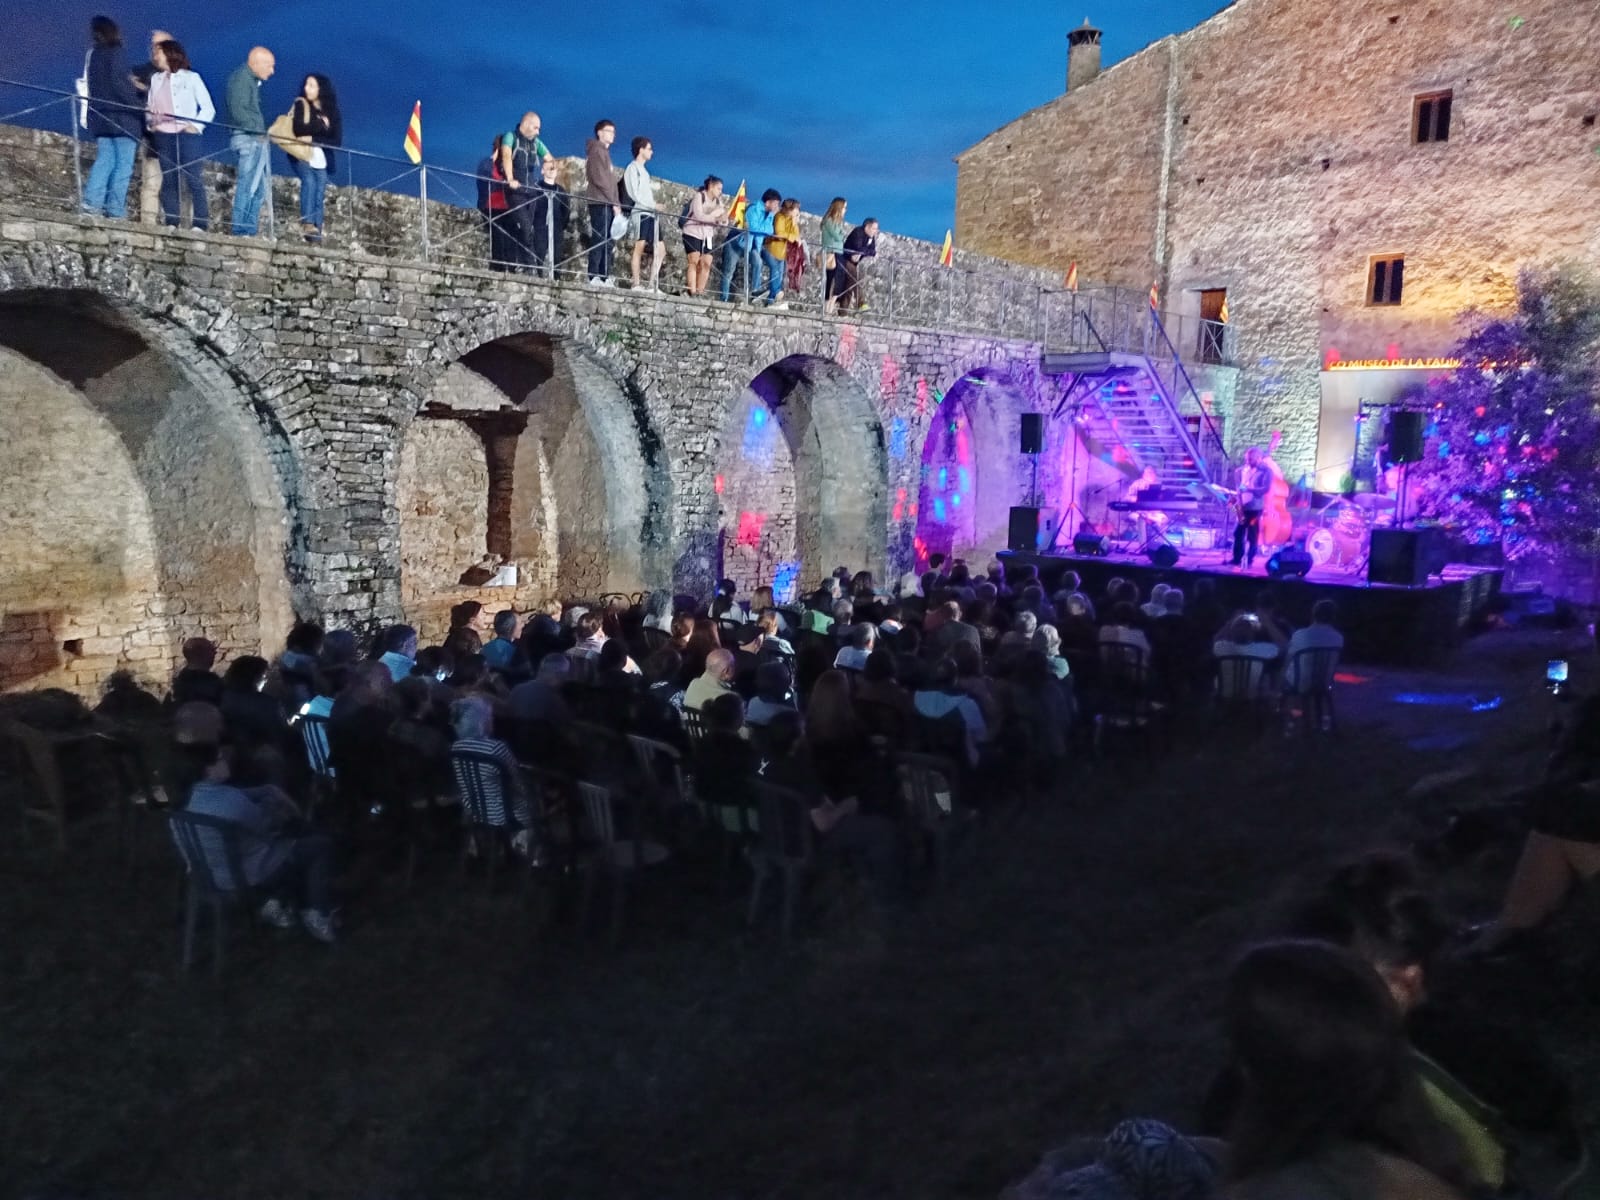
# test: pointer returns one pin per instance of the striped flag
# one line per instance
(1155, 295)
(1072, 277)
(947, 256)
(741, 201)
(1222, 313)
(414, 135)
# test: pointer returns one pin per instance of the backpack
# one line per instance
(622, 195)
(683, 215)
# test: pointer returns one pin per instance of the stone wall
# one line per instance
(314, 385)
(1269, 151)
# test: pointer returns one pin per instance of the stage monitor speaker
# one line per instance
(1399, 556)
(1292, 562)
(1164, 556)
(1024, 530)
(1033, 433)
(1406, 430)
(1090, 545)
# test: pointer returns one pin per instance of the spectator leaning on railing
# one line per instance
(114, 121)
(249, 139)
(180, 107)
(519, 156)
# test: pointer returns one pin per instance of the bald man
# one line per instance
(717, 680)
(248, 139)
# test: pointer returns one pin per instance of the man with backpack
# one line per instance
(519, 156)
(639, 206)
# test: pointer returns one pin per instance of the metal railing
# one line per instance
(385, 206)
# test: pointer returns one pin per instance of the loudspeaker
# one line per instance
(1292, 562)
(1090, 545)
(1406, 429)
(1033, 433)
(1164, 556)
(1023, 533)
(1399, 556)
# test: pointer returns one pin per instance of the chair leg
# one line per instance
(619, 899)
(191, 916)
(758, 880)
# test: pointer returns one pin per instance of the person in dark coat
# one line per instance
(116, 122)
(551, 206)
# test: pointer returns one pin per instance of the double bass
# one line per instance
(1277, 526)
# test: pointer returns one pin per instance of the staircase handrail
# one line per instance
(1205, 417)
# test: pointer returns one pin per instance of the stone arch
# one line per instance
(526, 448)
(187, 532)
(802, 477)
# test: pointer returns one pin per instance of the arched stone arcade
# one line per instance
(140, 497)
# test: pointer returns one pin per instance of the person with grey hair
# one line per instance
(1048, 639)
(472, 718)
(853, 655)
(716, 680)
(844, 613)
(540, 698)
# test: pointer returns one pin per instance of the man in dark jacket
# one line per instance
(248, 139)
(116, 121)
(861, 244)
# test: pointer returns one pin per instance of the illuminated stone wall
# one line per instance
(1269, 151)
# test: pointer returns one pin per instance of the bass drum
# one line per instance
(1321, 546)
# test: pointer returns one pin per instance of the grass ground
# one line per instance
(448, 1047)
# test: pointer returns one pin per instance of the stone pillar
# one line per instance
(500, 431)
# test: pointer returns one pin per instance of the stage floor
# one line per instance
(1381, 622)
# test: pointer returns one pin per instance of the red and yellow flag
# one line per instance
(414, 135)
(1222, 313)
(741, 201)
(947, 256)
(1155, 295)
(1072, 277)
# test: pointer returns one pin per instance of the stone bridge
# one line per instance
(207, 435)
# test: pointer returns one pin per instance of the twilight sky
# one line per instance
(869, 100)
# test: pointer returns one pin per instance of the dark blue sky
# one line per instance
(868, 100)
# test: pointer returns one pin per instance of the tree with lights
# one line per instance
(1513, 452)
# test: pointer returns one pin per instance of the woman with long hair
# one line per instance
(114, 121)
(177, 109)
(707, 211)
(833, 253)
(1331, 1106)
(790, 250)
(316, 115)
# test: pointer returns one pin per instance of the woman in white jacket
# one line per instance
(178, 109)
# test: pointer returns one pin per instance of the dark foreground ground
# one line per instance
(1067, 977)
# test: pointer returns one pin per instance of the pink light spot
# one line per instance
(889, 378)
(1331, 357)
(1394, 351)
(750, 525)
(720, 484)
(922, 397)
(847, 346)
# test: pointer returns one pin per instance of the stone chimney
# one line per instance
(1083, 56)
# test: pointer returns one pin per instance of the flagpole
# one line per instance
(424, 193)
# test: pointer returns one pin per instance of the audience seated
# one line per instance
(944, 630)
(500, 651)
(1047, 641)
(942, 695)
(540, 698)
(1122, 629)
(255, 721)
(590, 629)
(398, 647)
(1319, 635)
(725, 761)
(774, 694)
(716, 680)
(854, 654)
(297, 665)
(472, 718)
(197, 682)
(773, 642)
(1244, 637)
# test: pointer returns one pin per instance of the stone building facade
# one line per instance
(203, 435)
(1286, 151)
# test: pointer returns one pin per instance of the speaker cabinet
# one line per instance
(1164, 556)
(1399, 556)
(1023, 533)
(1033, 433)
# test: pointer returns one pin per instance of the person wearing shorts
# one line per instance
(707, 210)
(643, 223)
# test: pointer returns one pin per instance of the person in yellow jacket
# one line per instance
(786, 237)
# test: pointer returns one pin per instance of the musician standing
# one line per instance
(1252, 483)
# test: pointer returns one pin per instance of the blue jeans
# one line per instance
(250, 184)
(106, 191)
(775, 269)
(179, 154)
(736, 251)
(313, 188)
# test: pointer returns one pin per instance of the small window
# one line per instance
(1430, 117)
(1386, 279)
(1213, 348)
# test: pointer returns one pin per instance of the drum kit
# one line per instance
(1337, 534)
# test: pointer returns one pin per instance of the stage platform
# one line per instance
(1382, 623)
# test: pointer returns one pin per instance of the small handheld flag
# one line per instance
(947, 256)
(414, 135)
(1072, 277)
(741, 201)
(1155, 295)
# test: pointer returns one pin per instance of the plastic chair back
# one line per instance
(477, 774)
(1312, 671)
(314, 737)
(211, 853)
